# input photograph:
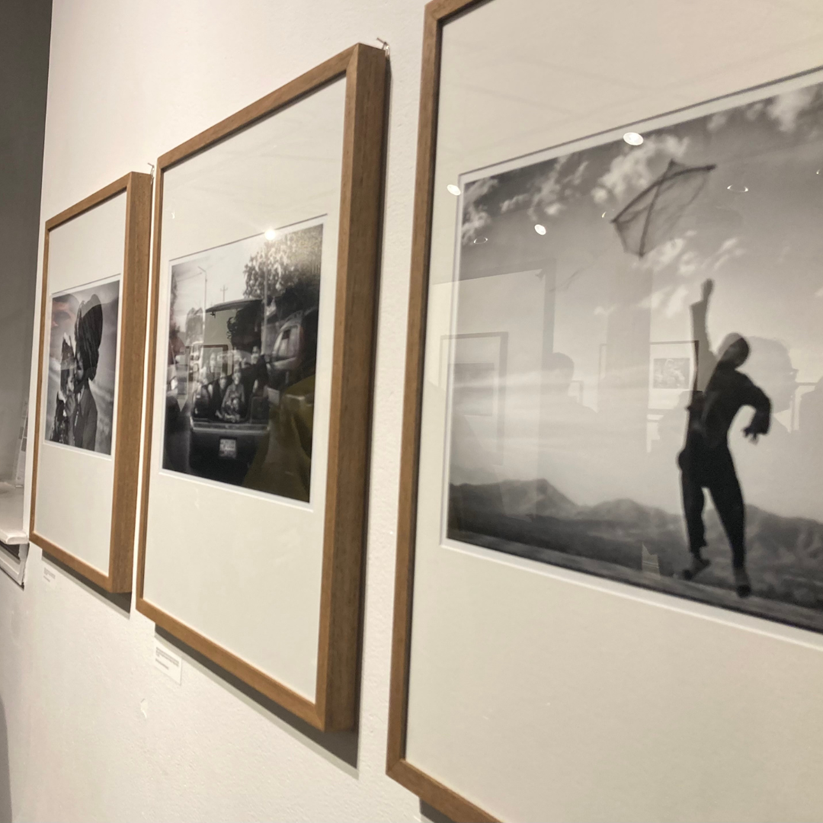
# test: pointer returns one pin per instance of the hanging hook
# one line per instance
(383, 45)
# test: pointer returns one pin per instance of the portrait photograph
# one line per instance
(242, 353)
(660, 417)
(83, 366)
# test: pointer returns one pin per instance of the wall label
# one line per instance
(168, 662)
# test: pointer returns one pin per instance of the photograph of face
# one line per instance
(242, 352)
(82, 367)
(662, 414)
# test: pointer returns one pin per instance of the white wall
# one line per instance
(129, 80)
(94, 731)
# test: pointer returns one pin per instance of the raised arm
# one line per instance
(705, 360)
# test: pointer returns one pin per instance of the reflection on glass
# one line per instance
(621, 401)
(241, 363)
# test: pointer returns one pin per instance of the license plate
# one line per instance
(228, 447)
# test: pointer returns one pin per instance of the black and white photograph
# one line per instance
(83, 367)
(672, 368)
(242, 353)
(659, 420)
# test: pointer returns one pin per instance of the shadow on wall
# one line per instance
(430, 815)
(343, 747)
(5, 782)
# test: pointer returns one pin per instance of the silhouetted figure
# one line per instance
(720, 391)
(560, 408)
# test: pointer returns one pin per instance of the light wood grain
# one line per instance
(148, 431)
(126, 447)
(96, 199)
(444, 799)
(351, 389)
(130, 386)
(351, 384)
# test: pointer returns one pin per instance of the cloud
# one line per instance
(728, 251)
(547, 195)
(480, 188)
(755, 110)
(600, 195)
(514, 202)
(474, 219)
(677, 301)
(576, 178)
(475, 216)
(667, 252)
(655, 299)
(690, 262)
(785, 108)
(717, 121)
(631, 171)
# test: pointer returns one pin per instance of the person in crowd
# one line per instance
(62, 422)
(206, 394)
(233, 408)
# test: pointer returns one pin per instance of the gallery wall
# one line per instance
(90, 728)
(95, 731)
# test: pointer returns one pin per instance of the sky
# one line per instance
(214, 276)
(754, 229)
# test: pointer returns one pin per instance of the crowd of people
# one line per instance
(227, 385)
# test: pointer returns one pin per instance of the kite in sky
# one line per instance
(647, 221)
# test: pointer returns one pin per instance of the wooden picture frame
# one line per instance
(441, 797)
(408, 717)
(364, 70)
(134, 296)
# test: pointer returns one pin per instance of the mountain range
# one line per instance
(533, 518)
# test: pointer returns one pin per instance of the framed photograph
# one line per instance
(235, 361)
(255, 469)
(671, 373)
(638, 473)
(90, 382)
